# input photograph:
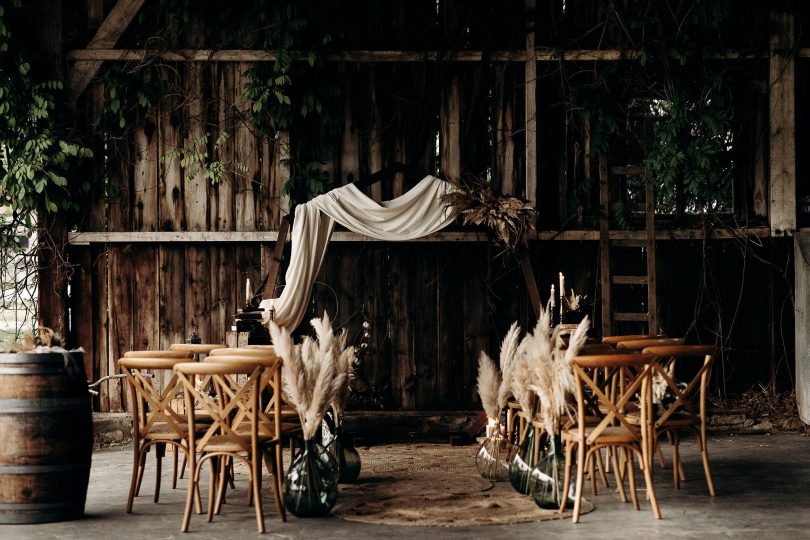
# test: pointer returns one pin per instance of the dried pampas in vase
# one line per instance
(311, 381)
(341, 446)
(496, 451)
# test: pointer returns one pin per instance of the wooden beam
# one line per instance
(99, 54)
(87, 238)
(106, 36)
(801, 310)
(531, 107)
(782, 84)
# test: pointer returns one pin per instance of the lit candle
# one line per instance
(553, 297)
(247, 291)
(562, 287)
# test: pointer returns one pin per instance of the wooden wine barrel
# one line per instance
(46, 437)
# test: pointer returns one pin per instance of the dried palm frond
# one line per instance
(489, 380)
(345, 365)
(509, 349)
(477, 203)
(311, 376)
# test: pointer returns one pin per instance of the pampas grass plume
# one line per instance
(489, 381)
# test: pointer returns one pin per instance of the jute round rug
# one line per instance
(433, 485)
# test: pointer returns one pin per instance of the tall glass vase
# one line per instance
(310, 487)
(494, 456)
(345, 455)
(547, 478)
(520, 468)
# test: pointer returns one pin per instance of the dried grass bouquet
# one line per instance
(313, 373)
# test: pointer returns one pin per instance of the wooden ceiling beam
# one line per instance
(106, 37)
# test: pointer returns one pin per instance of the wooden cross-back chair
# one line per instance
(613, 430)
(154, 420)
(233, 433)
(680, 413)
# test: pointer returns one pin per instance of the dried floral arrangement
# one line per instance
(314, 374)
(42, 337)
(345, 365)
(509, 218)
(575, 302)
(543, 378)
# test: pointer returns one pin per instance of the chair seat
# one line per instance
(609, 435)
(226, 443)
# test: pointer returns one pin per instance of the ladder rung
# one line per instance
(635, 170)
(629, 243)
(641, 317)
(629, 280)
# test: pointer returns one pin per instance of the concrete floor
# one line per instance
(762, 492)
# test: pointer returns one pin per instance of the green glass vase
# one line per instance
(310, 487)
(547, 478)
(346, 457)
(494, 456)
(522, 464)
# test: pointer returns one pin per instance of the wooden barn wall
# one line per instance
(432, 306)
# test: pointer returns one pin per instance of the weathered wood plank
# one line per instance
(222, 292)
(450, 130)
(81, 305)
(531, 107)
(246, 153)
(172, 298)
(604, 246)
(379, 56)
(171, 194)
(782, 84)
(145, 303)
(504, 133)
(198, 284)
(101, 321)
(145, 178)
(121, 298)
(107, 35)
(195, 184)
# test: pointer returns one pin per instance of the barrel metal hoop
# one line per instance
(44, 469)
(32, 359)
(67, 505)
(43, 405)
(43, 370)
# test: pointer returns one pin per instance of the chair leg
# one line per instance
(160, 449)
(256, 482)
(580, 474)
(141, 467)
(136, 469)
(566, 476)
(676, 462)
(651, 492)
(617, 473)
(660, 453)
(222, 485)
(279, 481)
(592, 473)
(214, 464)
(631, 476)
(193, 489)
(183, 466)
(271, 465)
(704, 452)
(174, 466)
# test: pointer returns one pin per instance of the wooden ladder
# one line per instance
(608, 279)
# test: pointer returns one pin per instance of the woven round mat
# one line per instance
(433, 485)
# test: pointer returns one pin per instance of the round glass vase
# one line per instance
(310, 487)
(345, 455)
(523, 462)
(547, 478)
(494, 456)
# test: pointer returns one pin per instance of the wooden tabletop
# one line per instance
(197, 348)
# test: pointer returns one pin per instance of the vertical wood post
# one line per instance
(783, 124)
(604, 245)
(801, 307)
(531, 106)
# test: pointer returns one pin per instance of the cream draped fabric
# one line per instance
(417, 213)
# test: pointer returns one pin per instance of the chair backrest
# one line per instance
(233, 410)
(270, 387)
(245, 351)
(628, 374)
(614, 340)
(196, 348)
(641, 344)
(150, 405)
(177, 355)
(667, 358)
